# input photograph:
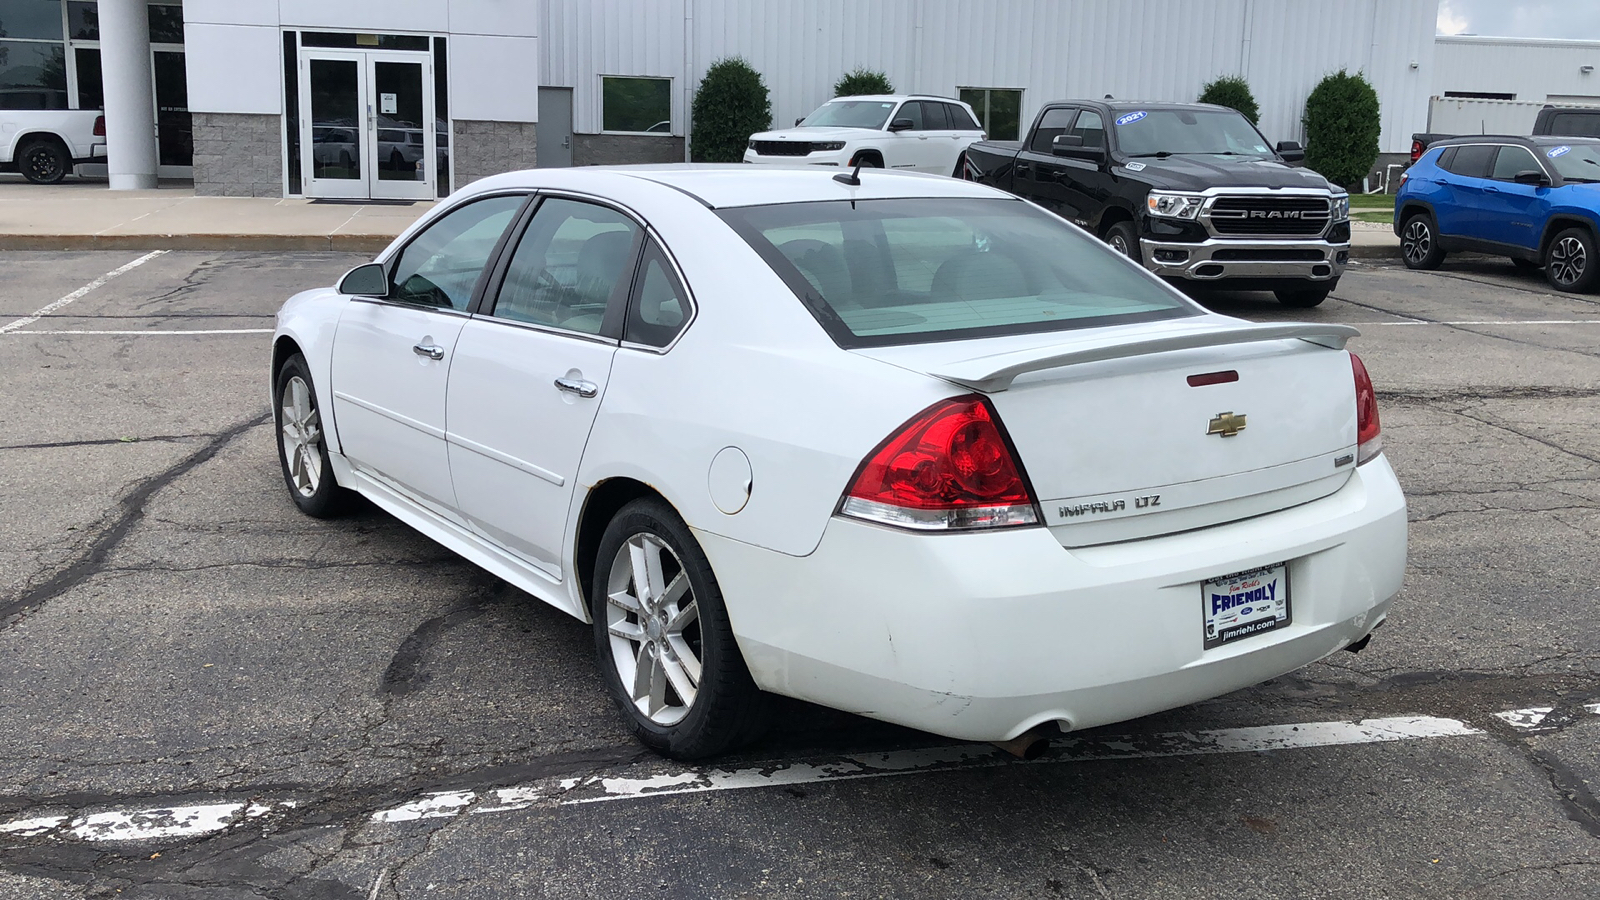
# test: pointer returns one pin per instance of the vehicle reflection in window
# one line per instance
(567, 266)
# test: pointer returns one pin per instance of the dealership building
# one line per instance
(409, 99)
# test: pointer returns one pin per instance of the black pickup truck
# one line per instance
(1192, 191)
(1565, 121)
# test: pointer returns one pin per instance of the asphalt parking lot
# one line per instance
(205, 694)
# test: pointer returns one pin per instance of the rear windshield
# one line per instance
(884, 272)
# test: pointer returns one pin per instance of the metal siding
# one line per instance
(1531, 69)
(1135, 49)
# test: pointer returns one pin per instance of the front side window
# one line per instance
(441, 266)
(1513, 160)
(872, 114)
(636, 105)
(568, 266)
(1091, 128)
(886, 272)
(999, 111)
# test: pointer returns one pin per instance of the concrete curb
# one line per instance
(340, 243)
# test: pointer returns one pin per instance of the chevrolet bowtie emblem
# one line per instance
(1226, 424)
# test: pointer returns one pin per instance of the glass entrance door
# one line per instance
(366, 129)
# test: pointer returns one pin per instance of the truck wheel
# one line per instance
(1304, 298)
(1124, 240)
(1419, 243)
(43, 161)
(1570, 263)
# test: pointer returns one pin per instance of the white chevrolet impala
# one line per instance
(909, 447)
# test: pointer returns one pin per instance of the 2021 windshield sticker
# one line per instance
(1131, 117)
(1554, 152)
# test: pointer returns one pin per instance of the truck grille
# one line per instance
(1298, 216)
(781, 148)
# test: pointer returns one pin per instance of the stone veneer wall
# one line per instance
(489, 148)
(238, 155)
(621, 149)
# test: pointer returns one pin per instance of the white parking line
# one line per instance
(46, 310)
(152, 331)
(665, 779)
(1485, 322)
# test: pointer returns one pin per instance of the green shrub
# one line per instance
(730, 105)
(862, 81)
(1342, 125)
(1233, 92)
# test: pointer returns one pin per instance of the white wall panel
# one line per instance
(494, 79)
(234, 68)
(511, 18)
(231, 12)
(1530, 69)
(366, 15)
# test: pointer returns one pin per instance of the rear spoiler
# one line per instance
(992, 374)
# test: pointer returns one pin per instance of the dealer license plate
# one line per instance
(1245, 604)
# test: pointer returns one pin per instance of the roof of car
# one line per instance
(723, 186)
(1537, 140)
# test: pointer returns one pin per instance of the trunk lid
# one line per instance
(1119, 445)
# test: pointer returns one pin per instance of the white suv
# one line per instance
(918, 133)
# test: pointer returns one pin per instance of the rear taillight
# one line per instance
(99, 126)
(950, 467)
(1416, 150)
(1369, 434)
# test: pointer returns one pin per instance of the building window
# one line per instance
(999, 111)
(1479, 95)
(636, 105)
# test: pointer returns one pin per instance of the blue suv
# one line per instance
(1533, 199)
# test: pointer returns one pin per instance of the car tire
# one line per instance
(302, 443)
(1303, 298)
(43, 161)
(1419, 243)
(1570, 263)
(1122, 238)
(650, 641)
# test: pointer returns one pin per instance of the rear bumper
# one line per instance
(1223, 259)
(983, 636)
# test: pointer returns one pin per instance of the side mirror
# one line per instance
(798, 121)
(1291, 151)
(1071, 146)
(900, 125)
(1532, 177)
(369, 280)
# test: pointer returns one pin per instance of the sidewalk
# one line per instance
(84, 215)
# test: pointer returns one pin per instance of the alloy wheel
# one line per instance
(1417, 241)
(1568, 260)
(301, 435)
(654, 625)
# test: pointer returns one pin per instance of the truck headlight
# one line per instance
(1173, 205)
(1340, 210)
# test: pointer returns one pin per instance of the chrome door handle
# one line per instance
(578, 386)
(429, 350)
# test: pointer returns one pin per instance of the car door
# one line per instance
(1463, 180)
(964, 130)
(531, 370)
(1511, 211)
(910, 148)
(1087, 185)
(1040, 175)
(391, 354)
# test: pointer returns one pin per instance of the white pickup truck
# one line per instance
(917, 133)
(44, 144)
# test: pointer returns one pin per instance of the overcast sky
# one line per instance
(1578, 19)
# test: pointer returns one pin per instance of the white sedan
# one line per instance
(911, 448)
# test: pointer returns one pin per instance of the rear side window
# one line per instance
(886, 272)
(960, 119)
(1575, 124)
(1472, 160)
(659, 307)
(933, 116)
(570, 263)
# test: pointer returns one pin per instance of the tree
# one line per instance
(862, 81)
(1342, 125)
(730, 104)
(1233, 92)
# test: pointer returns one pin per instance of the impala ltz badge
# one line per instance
(1226, 424)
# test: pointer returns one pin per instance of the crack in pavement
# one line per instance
(97, 442)
(132, 504)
